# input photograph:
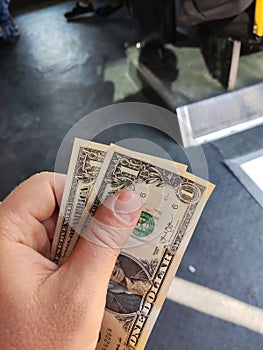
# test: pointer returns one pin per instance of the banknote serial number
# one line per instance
(107, 339)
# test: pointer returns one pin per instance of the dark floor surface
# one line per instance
(58, 72)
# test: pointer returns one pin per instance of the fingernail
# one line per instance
(127, 206)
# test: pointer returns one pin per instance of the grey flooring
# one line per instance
(58, 72)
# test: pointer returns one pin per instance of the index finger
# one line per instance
(28, 206)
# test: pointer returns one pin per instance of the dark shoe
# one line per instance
(80, 12)
(161, 61)
(152, 52)
(106, 11)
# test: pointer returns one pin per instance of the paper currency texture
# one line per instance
(173, 201)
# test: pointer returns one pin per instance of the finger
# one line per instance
(24, 210)
(94, 257)
(50, 224)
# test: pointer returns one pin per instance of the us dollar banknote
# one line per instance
(84, 167)
(85, 164)
(172, 204)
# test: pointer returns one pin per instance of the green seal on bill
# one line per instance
(145, 225)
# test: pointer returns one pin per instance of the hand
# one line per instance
(44, 306)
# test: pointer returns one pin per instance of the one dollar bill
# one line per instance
(172, 204)
(85, 164)
(84, 167)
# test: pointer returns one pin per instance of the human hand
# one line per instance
(44, 306)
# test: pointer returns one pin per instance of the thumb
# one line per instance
(94, 257)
